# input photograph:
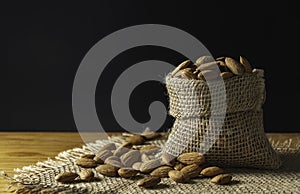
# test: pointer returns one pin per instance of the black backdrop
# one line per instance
(43, 44)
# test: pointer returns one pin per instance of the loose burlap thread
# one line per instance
(229, 134)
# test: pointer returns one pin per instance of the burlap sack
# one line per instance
(232, 136)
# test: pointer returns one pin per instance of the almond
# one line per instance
(102, 155)
(66, 177)
(86, 175)
(148, 182)
(222, 179)
(178, 176)
(208, 66)
(127, 173)
(89, 156)
(211, 171)
(167, 159)
(144, 158)
(246, 64)
(187, 74)
(191, 171)
(220, 58)
(208, 75)
(107, 170)
(135, 139)
(179, 166)
(109, 146)
(120, 151)
(191, 158)
(149, 149)
(148, 166)
(204, 59)
(161, 171)
(234, 66)
(86, 162)
(114, 161)
(151, 135)
(129, 158)
(127, 145)
(226, 75)
(137, 166)
(182, 65)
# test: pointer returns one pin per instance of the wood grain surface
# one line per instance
(26, 148)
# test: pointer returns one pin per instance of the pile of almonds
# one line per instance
(133, 158)
(208, 68)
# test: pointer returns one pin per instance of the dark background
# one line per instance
(43, 44)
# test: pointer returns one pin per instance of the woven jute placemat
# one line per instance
(39, 178)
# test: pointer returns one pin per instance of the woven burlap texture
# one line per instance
(39, 178)
(235, 138)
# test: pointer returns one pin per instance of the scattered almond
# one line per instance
(66, 177)
(135, 139)
(222, 179)
(148, 166)
(148, 182)
(107, 170)
(129, 158)
(86, 175)
(211, 171)
(161, 171)
(86, 163)
(191, 171)
(127, 173)
(191, 158)
(178, 176)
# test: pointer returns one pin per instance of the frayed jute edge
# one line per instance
(22, 182)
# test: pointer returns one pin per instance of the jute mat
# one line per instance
(39, 178)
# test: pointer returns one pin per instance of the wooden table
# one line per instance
(26, 148)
